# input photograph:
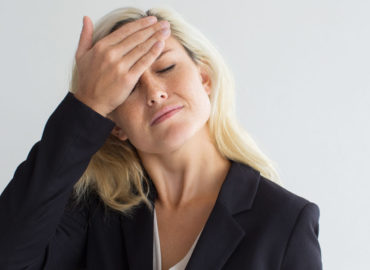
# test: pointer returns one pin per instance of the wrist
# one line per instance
(92, 105)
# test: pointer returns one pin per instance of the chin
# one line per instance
(182, 136)
(176, 139)
(176, 136)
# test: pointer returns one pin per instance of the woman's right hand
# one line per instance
(109, 70)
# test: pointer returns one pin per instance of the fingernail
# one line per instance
(152, 19)
(165, 31)
(164, 24)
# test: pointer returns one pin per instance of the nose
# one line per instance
(155, 92)
(156, 96)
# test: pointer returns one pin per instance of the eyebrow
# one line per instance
(164, 52)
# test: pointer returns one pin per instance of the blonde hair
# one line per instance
(115, 172)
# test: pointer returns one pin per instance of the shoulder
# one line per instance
(279, 210)
(259, 192)
(276, 198)
(269, 202)
(246, 189)
(292, 221)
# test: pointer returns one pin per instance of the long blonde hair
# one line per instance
(115, 172)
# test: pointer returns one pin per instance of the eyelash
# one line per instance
(166, 69)
(161, 71)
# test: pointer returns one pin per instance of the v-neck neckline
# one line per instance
(157, 256)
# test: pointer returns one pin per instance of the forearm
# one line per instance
(33, 203)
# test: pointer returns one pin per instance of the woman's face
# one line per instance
(172, 80)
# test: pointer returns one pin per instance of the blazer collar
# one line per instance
(239, 188)
(221, 233)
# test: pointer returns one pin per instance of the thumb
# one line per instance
(86, 36)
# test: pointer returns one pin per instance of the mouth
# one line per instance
(163, 116)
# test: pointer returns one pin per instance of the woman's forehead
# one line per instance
(173, 45)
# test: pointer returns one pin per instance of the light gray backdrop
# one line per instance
(302, 76)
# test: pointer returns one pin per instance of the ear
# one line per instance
(118, 132)
(206, 80)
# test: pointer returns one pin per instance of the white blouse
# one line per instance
(157, 263)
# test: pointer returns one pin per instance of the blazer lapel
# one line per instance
(218, 240)
(220, 236)
(222, 233)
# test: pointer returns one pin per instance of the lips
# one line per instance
(165, 113)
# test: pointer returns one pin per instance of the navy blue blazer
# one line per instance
(255, 223)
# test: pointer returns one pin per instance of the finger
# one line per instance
(144, 48)
(86, 37)
(128, 29)
(141, 65)
(139, 37)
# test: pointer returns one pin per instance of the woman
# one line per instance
(143, 165)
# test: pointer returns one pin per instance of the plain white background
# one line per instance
(303, 92)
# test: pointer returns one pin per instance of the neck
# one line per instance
(194, 172)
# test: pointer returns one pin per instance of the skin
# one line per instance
(122, 77)
(167, 149)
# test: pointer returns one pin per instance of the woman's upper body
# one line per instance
(255, 223)
(156, 108)
(176, 151)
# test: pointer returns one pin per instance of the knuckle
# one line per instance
(109, 56)
(146, 60)
(141, 35)
(155, 50)
(127, 78)
(99, 47)
(117, 70)
(142, 47)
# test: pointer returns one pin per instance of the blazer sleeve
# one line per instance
(303, 249)
(37, 230)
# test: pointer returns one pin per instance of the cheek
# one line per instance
(199, 105)
(205, 108)
(129, 118)
(197, 94)
(189, 81)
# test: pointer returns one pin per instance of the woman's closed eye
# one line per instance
(160, 71)
(166, 69)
